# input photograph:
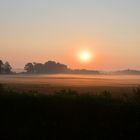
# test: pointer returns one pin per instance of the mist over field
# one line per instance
(69, 69)
(73, 79)
(93, 84)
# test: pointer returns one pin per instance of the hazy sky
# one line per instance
(41, 30)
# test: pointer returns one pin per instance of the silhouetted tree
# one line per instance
(38, 68)
(54, 67)
(61, 68)
(29, 68)
(48, 67)
(7, 68)
(1, 66)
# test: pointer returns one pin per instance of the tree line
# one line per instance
(54, 67)
(47, 67)
(5, 68)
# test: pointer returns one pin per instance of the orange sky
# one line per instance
(38, 31)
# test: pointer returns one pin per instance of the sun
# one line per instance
(85, 56)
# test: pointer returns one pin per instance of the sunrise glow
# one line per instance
(71, 32)
(85, 56)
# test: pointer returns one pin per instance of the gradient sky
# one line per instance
(41, 30)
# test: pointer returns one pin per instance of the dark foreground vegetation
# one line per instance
(68, 115)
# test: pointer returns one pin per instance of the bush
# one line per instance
(136, 95)
(2, 88)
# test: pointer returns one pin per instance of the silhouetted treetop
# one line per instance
(5, 68)
(52, 67)
(1, 66)
(47, 67)
(29, 68)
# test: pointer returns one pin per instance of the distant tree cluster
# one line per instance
(84, 71)
(52, 67)
(5, 68)
(128, 72)
(48, 67)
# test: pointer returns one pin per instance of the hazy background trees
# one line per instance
(29, 68)
(5, 68)
(1, 66)
(52, 67)
(47, 67)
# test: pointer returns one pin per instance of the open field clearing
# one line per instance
(82, 83)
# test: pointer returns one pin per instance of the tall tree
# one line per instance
(29, 67)
(1, 66)
(7, 68)
(38, 68)
(48, 67)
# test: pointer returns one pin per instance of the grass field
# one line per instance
(80, 83)
(68, 114)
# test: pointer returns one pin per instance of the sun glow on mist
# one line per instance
(85, 56)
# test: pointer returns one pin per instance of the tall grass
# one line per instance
(68, 115)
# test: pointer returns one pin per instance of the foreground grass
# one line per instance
(67, 115)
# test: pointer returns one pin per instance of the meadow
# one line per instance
(94, 84)
(67, 113)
